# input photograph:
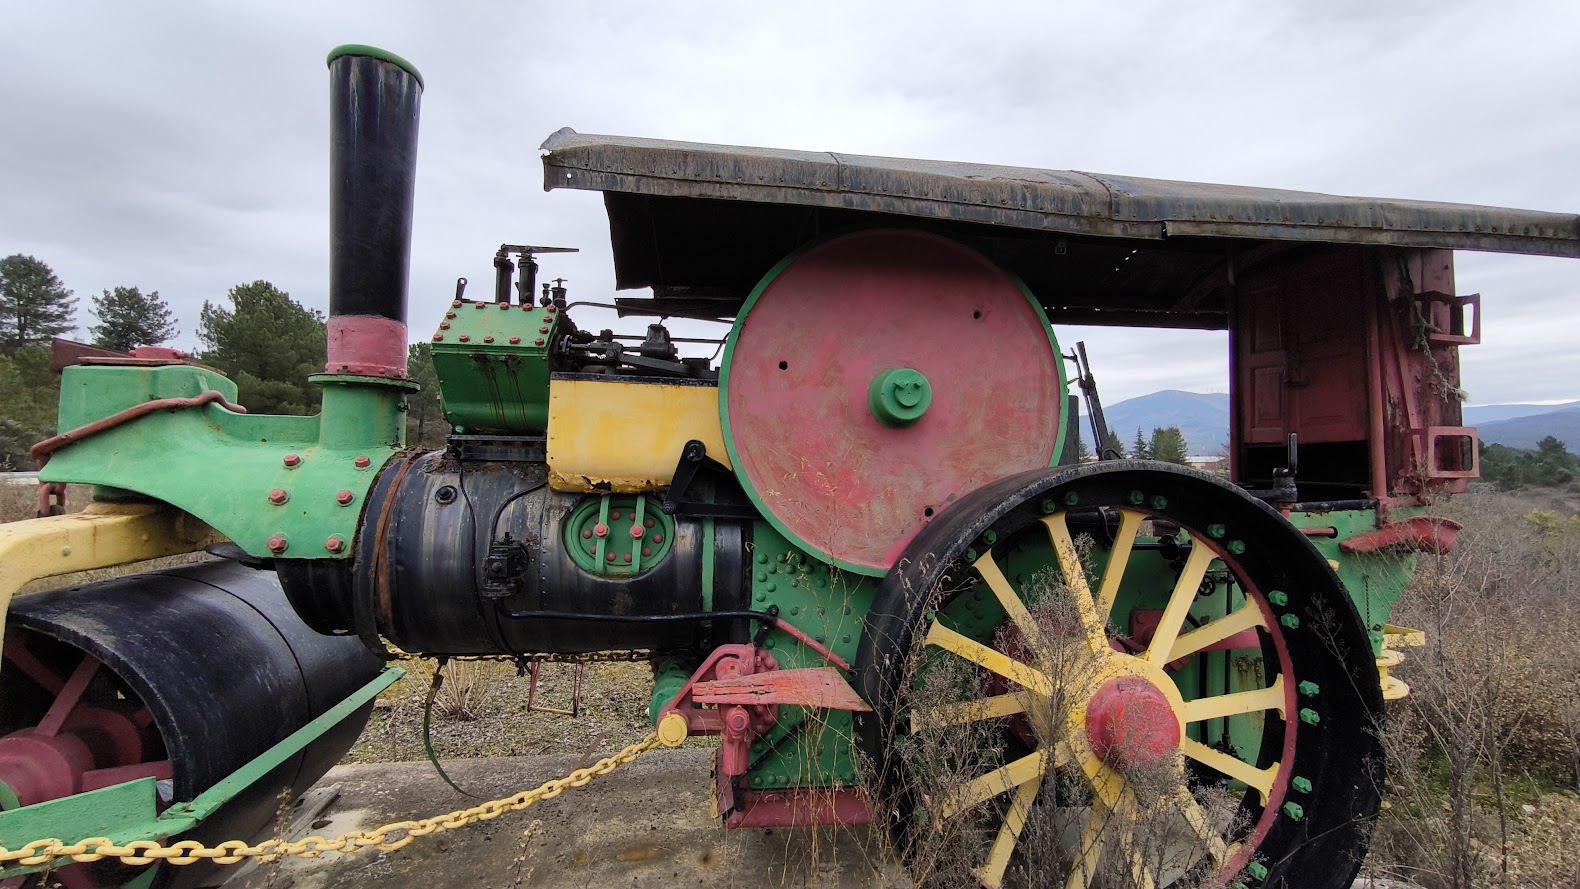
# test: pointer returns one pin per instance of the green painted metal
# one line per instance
(126, 812)
(492, 360)
(1375, 581)
(670, 675)
(358, 49)
(899, 396)
(808, 748)
(619, 551)
(222, 467)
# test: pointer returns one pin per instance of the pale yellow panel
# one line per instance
(626, 437)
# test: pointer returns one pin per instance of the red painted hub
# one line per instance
(1130, 723)
(39, 767)
(803, 358)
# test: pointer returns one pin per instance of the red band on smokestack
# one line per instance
(367, 345)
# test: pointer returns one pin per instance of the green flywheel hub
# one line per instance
(619, 534)
(899, 396)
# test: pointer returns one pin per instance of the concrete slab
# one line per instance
(647, 824)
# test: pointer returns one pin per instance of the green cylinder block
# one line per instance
(670, 675)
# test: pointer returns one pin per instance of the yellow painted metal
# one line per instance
(1179, 605)
(988, 658)
(970, 711)
(991, 873)
(1028, 769)
(102, 536)
(1394, 638)
(1092, 623)
(1118, 557)
(626, 437)
(1248, 617)
(1010, 601)
(1238, 769)
(1236, 703)
(672, 729)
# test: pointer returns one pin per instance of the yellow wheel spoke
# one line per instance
(1236, 703)
(1093, 835)
(969, 711)
(1196, 819)
(1010, 601)
(991, 874)
(1180, 601)
(1007, 777)
(988, 658)
(1118, 559)
(1247, 618)
(1233, 767)
(1075, 578)
(1140, 874)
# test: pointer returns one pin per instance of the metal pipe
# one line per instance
(374, 99)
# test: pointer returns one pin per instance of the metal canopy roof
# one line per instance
(699, 223)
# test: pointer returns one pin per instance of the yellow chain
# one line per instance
(234, 851)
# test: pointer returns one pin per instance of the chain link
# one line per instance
(387, 838)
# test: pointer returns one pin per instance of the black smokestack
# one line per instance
(374, 98)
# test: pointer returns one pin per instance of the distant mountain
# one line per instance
(1492, 413)
(1524, 432)
(1203, 418)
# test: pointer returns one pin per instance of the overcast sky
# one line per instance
(183, 146)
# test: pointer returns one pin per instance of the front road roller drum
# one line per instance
(183, 675)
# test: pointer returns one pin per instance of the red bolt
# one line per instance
(292, 460)
(444, 325)
(504, 305)
(277, 543)
(543, 329)
(592, 550)
(586, 534)
(658, 538)
(481, 305)
(438, 337)
(514, 340)
(600, 530)
(456, 303)
(278, 496)
(647, 550)
(538, 341)
(465, 338)
(362, 462)
(488, 339)
(449, 314)
(335, 544)
(637, 532)
(648, 522)
(615, 515)
(344, 498)
(549, 309)
(628, 557)
(609, 557)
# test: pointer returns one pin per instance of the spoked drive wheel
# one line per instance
(1121, 675)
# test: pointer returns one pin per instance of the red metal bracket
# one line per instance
(1420, 534)
(1447, 313)
(1426, 443)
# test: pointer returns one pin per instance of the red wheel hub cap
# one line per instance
(1131, 723)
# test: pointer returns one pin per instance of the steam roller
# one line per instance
(859, 547)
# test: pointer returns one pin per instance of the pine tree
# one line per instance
(426, 426)
(1114, 444)
(1139, 449)
(1168, 445)
(34, 305)
(268, 343)
(128, 319)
